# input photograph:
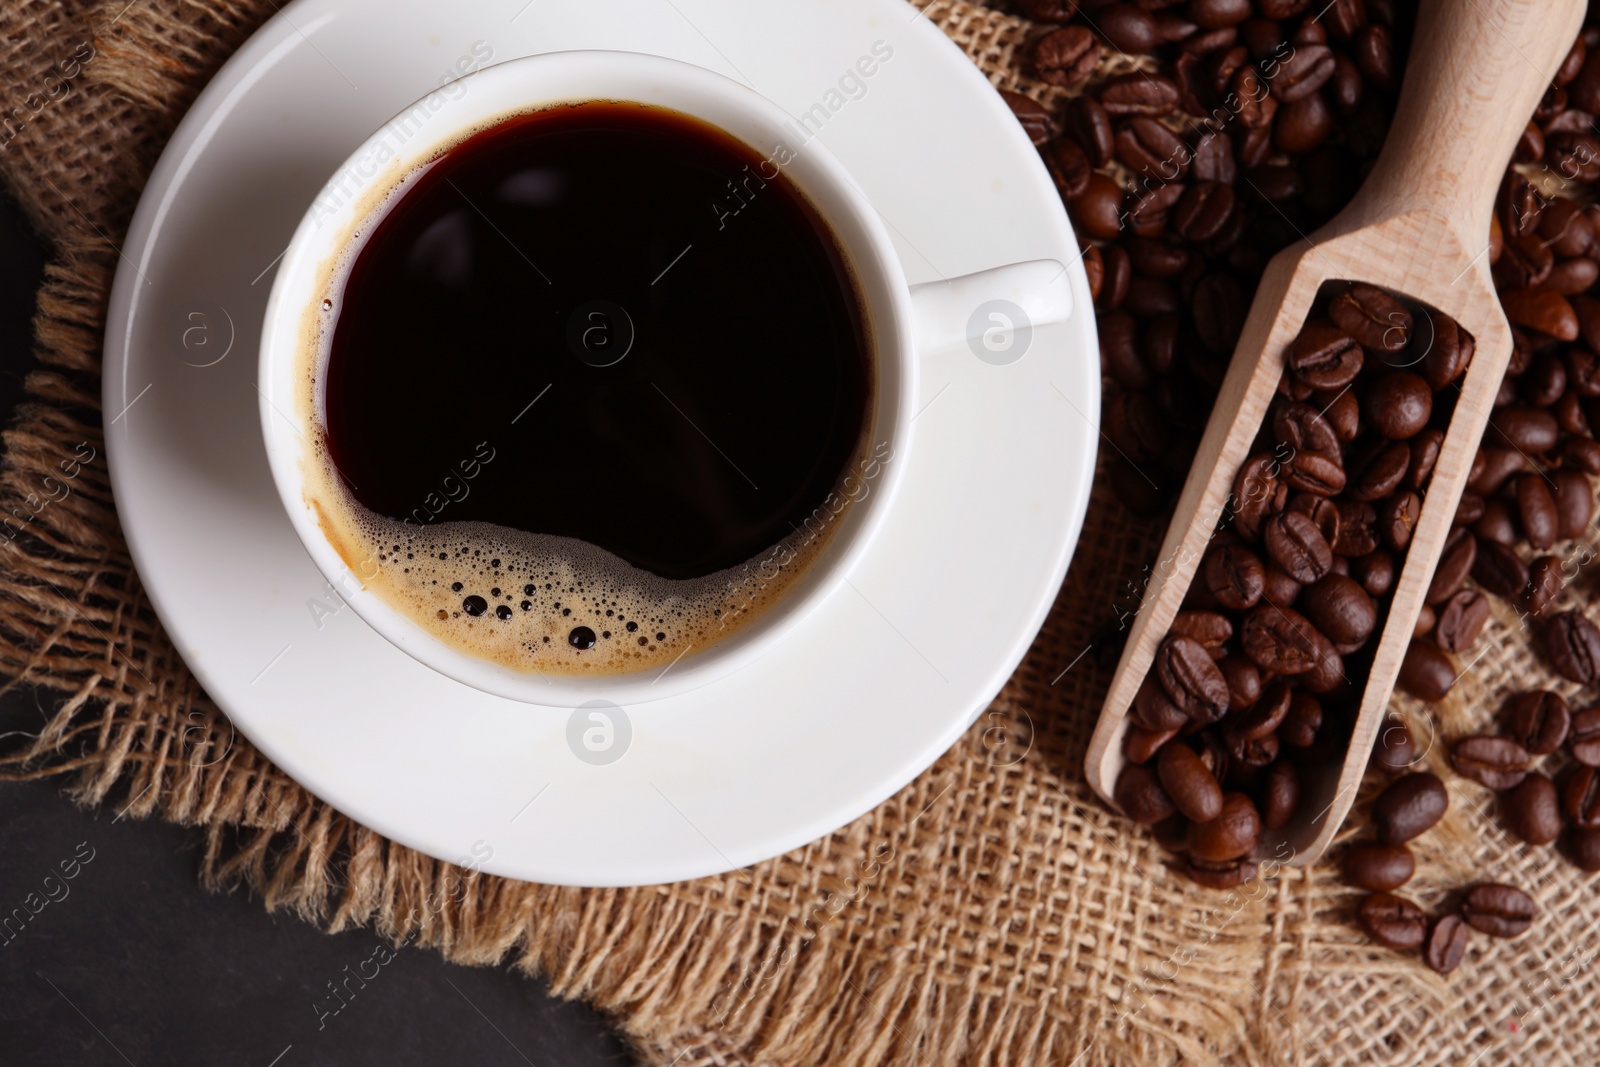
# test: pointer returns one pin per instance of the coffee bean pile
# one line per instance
(1246, 126)
(1408, 807)
(1538, 724)
(1252, 129)
(1261, 675)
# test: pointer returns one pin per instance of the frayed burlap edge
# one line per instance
(992, 912)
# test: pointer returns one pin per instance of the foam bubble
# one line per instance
(552, 605)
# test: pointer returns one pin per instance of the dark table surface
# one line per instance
(129, 961)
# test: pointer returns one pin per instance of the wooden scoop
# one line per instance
(1420, 227)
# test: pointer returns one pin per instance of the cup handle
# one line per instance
(974, 307)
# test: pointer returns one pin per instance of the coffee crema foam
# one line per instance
(518, 599)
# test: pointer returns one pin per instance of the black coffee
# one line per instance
(594, 383)
(643, 319)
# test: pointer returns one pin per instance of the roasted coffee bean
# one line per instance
(1210, 628)
(1342, 412)
(1583, 454)
(1261, 718)
(1203, 211)
(1140, 795)
(1250, 753)
(1358, 529)
(1393, 750)
(1497, 762)
(1119, 272)
(1450, 355)
(1233, 834)
(1049, 10)
(1545, 381)
(1373, 317)
(1243, 678)
(1128, 27)
(1069, 166)
(1304, 72)
(1119, 351)
(1302, 427)
(1066, 56)
(1532, 810)
(1302, 125)
(1574, 501)
(1572, 645)
(1499, 465)
(1280, 640)
(1091, 126)
(1469, 509)
(1528, 430)
(1033, 116)
(1380, 471)
(1398, 518)
(1583, 737)
(1094, 267)
(1392, 921)
(1139, 744)
(1378, 867)
(1446, 943)
(1544, 585)
(1536, 509)
(1500, 570)
(1375, 571)
(1172, 834)
(1580, 797)
(1320, 510)
(1295, 544)
(1235, 576)
(1280, 588)
(1398, 404)
(1409, 806)
(1538, 720)
(1340, 608)
(1151, 151)
(1426, 672)
(1148, 215)
(1138, 94)
(1424, 449)
(1185, 779)
(1498, 910)
(1318, 473)
(1460, 620)
(1425, 621)
(1299, 727)
(1260, 493)
(1327, 668)
(1495, 524)
(1280, 795)
(1190, 678)
(1212, 14)
(1097, 211)
(1153, 711)
(1324, 356)
(1583, 848)
(1221, 875)
(1455, 563)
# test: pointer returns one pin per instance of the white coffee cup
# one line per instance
(905, 320)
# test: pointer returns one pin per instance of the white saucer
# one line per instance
(879, 681)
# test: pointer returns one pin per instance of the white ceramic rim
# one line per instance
(494, 94)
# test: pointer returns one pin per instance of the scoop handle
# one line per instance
(1476, 71)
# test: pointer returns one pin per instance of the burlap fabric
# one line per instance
(992, 912)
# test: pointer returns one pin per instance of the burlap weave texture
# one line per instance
(992, 912)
